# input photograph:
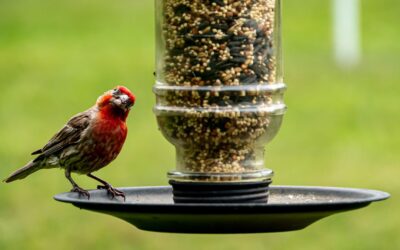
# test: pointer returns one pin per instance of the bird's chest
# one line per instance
(106, 139)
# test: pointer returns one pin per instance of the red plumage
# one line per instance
(88, 142)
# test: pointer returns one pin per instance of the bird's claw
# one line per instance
(113, 192)
(81, 191)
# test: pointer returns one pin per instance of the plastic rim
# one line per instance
(252, 176)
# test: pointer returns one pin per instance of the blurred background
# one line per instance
(341, 128)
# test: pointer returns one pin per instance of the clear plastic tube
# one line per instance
(219, 85)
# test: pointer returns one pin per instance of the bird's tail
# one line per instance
(24, 171)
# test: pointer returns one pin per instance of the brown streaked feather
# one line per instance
(68, 135)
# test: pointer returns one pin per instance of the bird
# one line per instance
(89, 141)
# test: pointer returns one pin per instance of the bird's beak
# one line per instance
(122, 101)
(126, 102)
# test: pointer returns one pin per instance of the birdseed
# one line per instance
(218, 55)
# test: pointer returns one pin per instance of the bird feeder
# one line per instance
(219, 95)
(219, 90)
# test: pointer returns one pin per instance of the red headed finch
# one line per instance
(89, 141)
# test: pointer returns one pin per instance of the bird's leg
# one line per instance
(75, 187)
(112, 191)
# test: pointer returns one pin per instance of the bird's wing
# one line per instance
(68, 135)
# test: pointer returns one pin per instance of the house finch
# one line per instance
(89, 141)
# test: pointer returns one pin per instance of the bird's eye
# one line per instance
(116, 92)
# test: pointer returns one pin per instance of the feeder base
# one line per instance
(220, 192)
(289, 208)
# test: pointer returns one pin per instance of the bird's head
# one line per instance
(117, 101)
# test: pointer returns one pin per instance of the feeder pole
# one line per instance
(346, 32)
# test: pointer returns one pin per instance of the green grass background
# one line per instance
(341, 128)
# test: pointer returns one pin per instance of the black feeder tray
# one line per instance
(288, 208)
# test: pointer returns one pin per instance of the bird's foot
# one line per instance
(113, 192)
(81, 191)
